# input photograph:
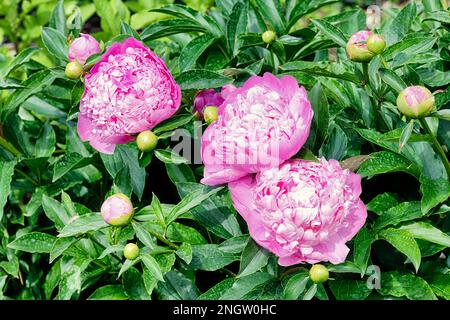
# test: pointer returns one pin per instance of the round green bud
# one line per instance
(318, 273)
(131, 251)
(376, 43)
(146, 140)
(359, 53)
(117, 210)
(415, 102)
(210, 114)
(269, 36)
(74, 70)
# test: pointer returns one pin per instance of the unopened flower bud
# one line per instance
(210, 114)
(415, 102)
(269, 36)
(131, 251)
(376, 44)
(83, 47)
(357, 47)
(146, 140)
(318, 273)
(117, 210)
(74, 70)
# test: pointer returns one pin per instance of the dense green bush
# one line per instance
(193, 244)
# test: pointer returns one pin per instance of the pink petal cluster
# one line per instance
(128, 91)
(302, 211)
(360, 38)
(205, 98)
(259, 126)
(83, 47)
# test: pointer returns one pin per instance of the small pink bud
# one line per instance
(208, 97)
(357, 47)
(117, 210)
(415, 102)
(83, 47)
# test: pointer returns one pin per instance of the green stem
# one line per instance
(365, 67)
(8, 146)
(437, 145)
(163, 240)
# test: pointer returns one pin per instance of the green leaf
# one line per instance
(271, 12)
(361, 248)
(127, 265)
(336, 144)
(320, 68)
(34, 84)
(84, 224)
(193, 50)
(111, 249)
(345, 289)
(303, 8)
(168, 156)
(152, 266)
(60, 246)
(185, 252)
(296, 286)
(214, 213)
(253, 259)
(67, 163)
(126, 156)
(209, 257)
(244, 285)
(201, 79)
(20, 59)
(406, 134)
(6, 174)
(173, 123)
(319, 104)
(401, 24)
(403, 242)
(189, 202)
(217, 291)
(169, 27)
(156, 207)
(382, 202)
(392, 79)
(45, 144)
(331, 32)
(109, 292)
(56, 43)
(11, 267)
(33, 242)
(134, 286)
(443, 114)
(177, 287)
(404, 211)
(425, 231)
(143, 235)
(58, 18)
(55, 211)
(310, 293)
(181, 233)
(384, 162)
(440, 283)
(236, 25)
(398, 284)
(179, 173)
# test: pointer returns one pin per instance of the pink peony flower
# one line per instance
(207, 98)
(259, 126)
(128, 91)
(302, 211)
(83, 47)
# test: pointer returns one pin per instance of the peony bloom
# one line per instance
(128, 91)
(259, 125)
(415, 102)
(83, 47)
(357, 47)
(207, 98)
(117, 210)
(302, 211)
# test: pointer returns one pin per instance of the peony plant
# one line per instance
(238, 150)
